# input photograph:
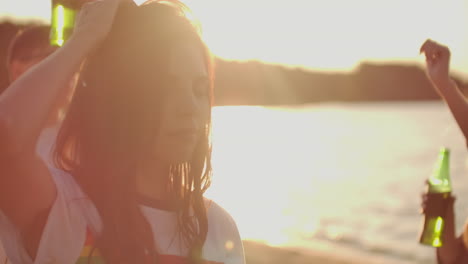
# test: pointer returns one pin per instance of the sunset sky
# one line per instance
(318, 34)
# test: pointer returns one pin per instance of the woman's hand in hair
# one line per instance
(437, 64)
(94, 22)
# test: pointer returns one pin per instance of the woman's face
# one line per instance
(187, 106)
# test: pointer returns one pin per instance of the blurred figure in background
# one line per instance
(28, 47)
(454, 249)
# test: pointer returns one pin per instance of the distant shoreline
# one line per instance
(257, 83)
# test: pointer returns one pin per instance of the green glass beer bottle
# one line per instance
(438, 192)
(62, 20)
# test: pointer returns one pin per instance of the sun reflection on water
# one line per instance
(331, 174)
(256, 163)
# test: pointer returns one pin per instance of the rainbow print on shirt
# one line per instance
(88, 247)
(98, 259)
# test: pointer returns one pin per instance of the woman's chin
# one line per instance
(176, 157)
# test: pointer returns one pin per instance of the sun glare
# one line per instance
(139, 2)
(317, 34)
(330, 35)
(245, 142)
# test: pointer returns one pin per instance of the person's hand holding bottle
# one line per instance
(438, 72)
(449, 251)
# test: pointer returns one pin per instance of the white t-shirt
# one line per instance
(45, 144)
(73, 216)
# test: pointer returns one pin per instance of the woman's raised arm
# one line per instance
(26, 186)
(437, 65)
(26, 103)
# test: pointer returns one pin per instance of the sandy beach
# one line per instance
(257, 253)
(260, 253)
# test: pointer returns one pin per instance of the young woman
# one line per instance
(133, 151)
(454, 250)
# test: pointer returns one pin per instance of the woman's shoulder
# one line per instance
(75, 199)
(218, 214)
(215, 208)
(223, 228)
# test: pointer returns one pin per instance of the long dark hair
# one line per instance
(115, 113)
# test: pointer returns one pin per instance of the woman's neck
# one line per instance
(151, 181)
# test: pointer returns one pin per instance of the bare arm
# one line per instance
(437, 65)
(457, 103)
(25, 105)
(26, 186)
